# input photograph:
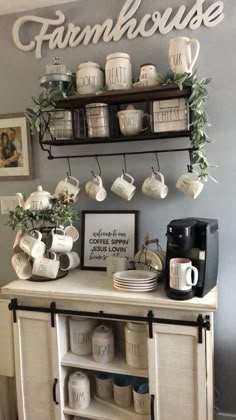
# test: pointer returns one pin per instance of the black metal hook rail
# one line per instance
(145, 152)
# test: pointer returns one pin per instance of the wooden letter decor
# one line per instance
(57, 35)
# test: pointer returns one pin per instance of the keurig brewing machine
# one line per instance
(196, 240)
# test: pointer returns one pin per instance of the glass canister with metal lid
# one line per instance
(58, 123)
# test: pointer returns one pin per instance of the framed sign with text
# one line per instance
(170, 115)
(108, 233)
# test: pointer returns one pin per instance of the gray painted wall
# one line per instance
(20, 74)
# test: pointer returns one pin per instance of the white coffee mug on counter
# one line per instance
(180, 54)
(190, 184)
(115, 264)
(154, 186)
(58, 241)
(32, 244)
(22, 265)
(46, 267)
(94, 188)
(69, 261)
(69, 185)
(181, 270)
(124, 186)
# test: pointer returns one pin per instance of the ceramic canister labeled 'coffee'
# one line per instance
(136, 345)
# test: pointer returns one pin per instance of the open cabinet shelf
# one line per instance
(118, 365)
(102, 410)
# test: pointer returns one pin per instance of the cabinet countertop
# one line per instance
(94, 286)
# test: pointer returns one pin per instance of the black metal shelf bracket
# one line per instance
(96, 156)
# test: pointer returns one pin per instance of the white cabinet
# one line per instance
(36, 366)
(180, 370)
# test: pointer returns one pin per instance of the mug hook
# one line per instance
(69, 168)
(125, 164)
(158, 163)
(99, 167)
(190, 167)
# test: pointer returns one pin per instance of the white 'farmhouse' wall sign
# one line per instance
(60, 36)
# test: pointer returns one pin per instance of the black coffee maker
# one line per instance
(197, 240)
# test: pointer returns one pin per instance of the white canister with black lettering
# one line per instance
(89, 78)
(103, 344)
(136, 345)
(118, 71)
(81, 330)
(79, 390)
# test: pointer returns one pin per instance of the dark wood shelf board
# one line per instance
(123, 139)
(124, 96)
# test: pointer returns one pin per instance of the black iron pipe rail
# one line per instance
(145, 152)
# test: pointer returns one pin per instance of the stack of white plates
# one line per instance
(135, 281)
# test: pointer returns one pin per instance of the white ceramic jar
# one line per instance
(89, 78)
(103, 344)
(136, 345)
(118, 71)
(97, 118)
(79, 390)
(81, 330)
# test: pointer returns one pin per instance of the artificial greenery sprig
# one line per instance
(62, 212)
(199, 123)
(46, 102)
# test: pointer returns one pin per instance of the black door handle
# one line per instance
(152, 407)
(54, 397)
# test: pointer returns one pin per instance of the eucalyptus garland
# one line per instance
(199, 123)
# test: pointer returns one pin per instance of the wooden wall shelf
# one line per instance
(125, 96)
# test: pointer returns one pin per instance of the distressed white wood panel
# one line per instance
(34, 354)
(6, 341)
(178, 378)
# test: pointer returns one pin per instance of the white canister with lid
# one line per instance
(81, 330)
(89, 78)
(79, 390)
(118, 71)
(103, 344)
(136, 345)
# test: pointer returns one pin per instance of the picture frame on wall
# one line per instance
(108, 233)
(15, 147)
